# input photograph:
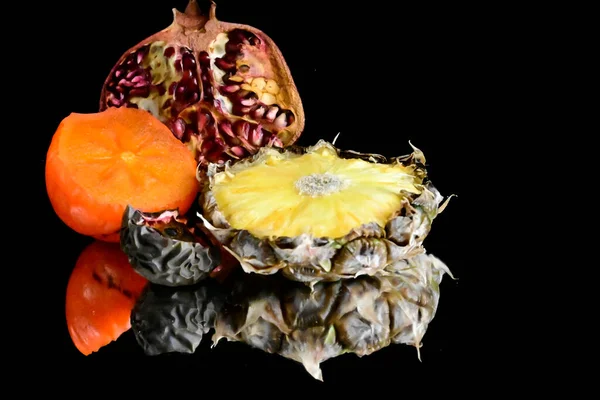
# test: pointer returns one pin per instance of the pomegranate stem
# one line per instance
(192, 9)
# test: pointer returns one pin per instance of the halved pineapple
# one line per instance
(359, 316)
(318, 213)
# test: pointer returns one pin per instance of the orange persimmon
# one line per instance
(98, 163)
(101, 293)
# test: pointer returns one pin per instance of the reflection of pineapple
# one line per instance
(318, 213)
(357, 316)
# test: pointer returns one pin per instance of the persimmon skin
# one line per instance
(101, 293)
(146, 167)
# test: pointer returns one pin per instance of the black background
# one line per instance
(381, 74)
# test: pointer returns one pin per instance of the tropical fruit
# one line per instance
(319, 213)
(288, 318)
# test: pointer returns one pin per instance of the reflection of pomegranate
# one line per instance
(222, 88)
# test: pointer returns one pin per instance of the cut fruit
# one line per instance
(101, 293)
(358, 316)
(308, 325)
(224, 89)
(99, 163)
(319, 213)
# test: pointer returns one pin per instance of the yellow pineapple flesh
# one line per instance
(317, 193)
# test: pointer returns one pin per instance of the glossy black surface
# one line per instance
(381, 78)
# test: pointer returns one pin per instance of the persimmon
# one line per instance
(101, 293)
(98, 163)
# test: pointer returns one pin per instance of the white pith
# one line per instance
(216, 49)
(163, 71)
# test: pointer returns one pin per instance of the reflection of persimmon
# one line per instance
(99, 163)
(101, 293)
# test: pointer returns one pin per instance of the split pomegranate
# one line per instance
(222, 88)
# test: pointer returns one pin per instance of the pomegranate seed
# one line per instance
(226, 128)
(186, 75)
(189, 62)
(232, 47)
(194, 96)
(204, 58)
(275, 141)
(220, 142)
(224, 65)
(169, 52)
(230, 88)
(242, 129)
(114, 102)
(290, 117)
(271, 113)
(281, 121)
(178, 128)
(255, 41)
(238, 151)
(259, 112)
(172, 87)
(203, 120)
(140, 92)
(256, 136)
(207, 146)
(236, 35)
(248, 102)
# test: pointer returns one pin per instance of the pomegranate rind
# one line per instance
(197, 31)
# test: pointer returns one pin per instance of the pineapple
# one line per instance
(319, 213)
(357, 316)
(280, 316)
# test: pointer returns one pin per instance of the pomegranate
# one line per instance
(224, 89)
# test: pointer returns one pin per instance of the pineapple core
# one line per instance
(316, 193)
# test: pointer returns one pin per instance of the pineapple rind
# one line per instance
(365, 250)
(312, 326)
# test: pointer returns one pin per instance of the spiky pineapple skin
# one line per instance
(365, 250)
(358, 316)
